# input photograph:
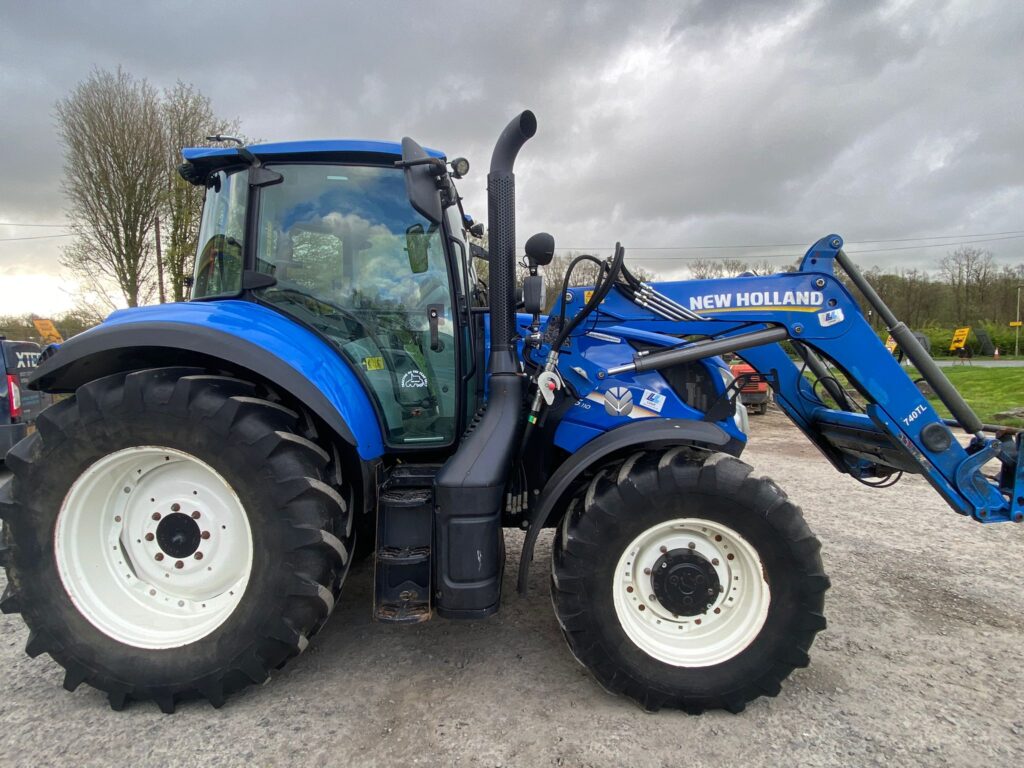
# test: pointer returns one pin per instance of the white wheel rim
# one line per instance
(729, 624)
(122, 544)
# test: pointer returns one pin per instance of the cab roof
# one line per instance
(205, 160)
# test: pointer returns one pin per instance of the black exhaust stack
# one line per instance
(501, 222)
(469, 491)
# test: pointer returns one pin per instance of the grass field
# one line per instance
(988, 391)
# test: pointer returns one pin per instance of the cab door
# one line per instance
(355, 261)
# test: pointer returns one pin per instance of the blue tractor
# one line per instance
(344, 384)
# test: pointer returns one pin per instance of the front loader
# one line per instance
(343, 385)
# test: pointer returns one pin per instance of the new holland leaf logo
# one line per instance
(618, 401)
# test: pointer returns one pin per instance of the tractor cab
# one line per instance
(328, 234)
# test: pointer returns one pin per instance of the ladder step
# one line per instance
(404, 555)
(403, 612)
(405, 522)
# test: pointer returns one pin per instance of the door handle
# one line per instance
(433, 318)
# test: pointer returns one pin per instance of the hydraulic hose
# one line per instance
(601, 291)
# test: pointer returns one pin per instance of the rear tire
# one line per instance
(220, 439)
(732, 541)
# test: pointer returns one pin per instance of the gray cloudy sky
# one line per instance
(691, 123)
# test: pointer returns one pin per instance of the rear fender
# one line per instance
(240, 336)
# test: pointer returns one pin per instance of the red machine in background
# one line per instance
(755, 393)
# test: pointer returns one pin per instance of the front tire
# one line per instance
(172, 534)
(681, 581)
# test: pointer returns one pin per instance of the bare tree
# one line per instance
(94, 301)
(704, 269)
(113, 178)
(969, 272)
(188, 118)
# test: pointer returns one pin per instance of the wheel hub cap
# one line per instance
(685, 582)
(178, 535)
(690, 592)
(153, 546)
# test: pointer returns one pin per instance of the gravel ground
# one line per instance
(921, 664)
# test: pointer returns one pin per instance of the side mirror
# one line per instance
(540, 249)
(533, 294)
(416, 246)
(421, 180)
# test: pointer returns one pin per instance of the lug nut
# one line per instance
(692, 545)
(718, 610)
(117, 518)
(175, 507)
(198, 555)
(156, 515)
(663, 549)
(629, 589)
(150, 537)
(179, 564)
(195, 515)
(158, 556)
(718, 538)
(643, 608)
(205, 534)
(730, 556)
(647, 571)
(696, 621)
(714, 561)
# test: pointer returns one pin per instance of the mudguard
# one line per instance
(648, 433)
(239, 335)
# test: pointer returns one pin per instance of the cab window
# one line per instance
(352, 258)
(218, 270)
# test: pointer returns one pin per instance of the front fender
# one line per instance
(240, 335)
(642, 434)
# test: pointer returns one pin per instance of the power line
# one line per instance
(936, 245)
(801, 245)
(1015, 232)
(34, 237)
(16, 224)
(939, 237)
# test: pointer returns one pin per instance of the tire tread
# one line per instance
(310, 507)
(617, 487)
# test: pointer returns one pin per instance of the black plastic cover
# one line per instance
(469, 495)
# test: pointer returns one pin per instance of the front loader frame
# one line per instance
(897, 429)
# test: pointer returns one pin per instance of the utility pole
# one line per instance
(159, 263)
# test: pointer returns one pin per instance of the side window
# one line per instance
(218, 270)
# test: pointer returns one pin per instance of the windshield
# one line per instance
(353, 259)
(219, 256)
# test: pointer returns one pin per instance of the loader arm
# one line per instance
(886, 428)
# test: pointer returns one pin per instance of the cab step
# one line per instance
(405, 516)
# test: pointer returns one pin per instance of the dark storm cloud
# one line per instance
(660, 123)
